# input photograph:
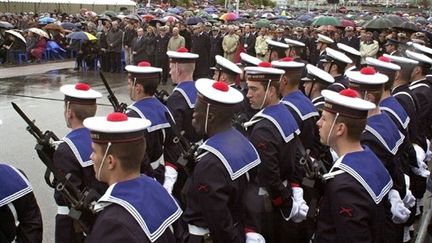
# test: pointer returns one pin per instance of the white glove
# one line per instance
(170, 178)
(303, 207)
(422, 169)
(428, 151)
(409, 199)
(253, 237)
(399, 211)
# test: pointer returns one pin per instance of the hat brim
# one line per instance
(205, 87)
(70, 90)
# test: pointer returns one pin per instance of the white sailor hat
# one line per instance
(366, 79)
(382, 64)
(264, 72)
(80, 93)
(401, 60)
(143, 71)
(317, 74)
(277, 44)
(346, 103)
(324, 39)
(116, 128)
(336, 56)
(423, 49)
(249, 60)
(217, 92)
(348, 50)
(182, 55)
(226, 66)
(421, 58)
(294, 43)
(288, 64)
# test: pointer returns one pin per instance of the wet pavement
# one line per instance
(39, 97)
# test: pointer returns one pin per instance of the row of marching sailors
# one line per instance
(250, 189)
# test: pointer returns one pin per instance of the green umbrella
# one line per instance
(379, 23)
(407, 26)
(110, 14)
(262, 23)
(397, 20)
(326, 20)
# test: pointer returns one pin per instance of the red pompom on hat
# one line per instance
(82, 86)
(144, 64)
(182, 49)
(265, 64)
(384, 59)
(368, 71)
(349, 93)
(221, 86)
(287, 59)
(117, 117)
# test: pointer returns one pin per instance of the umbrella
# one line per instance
(346, 22)
(174, 10)
(39, 32)
(159, 11)
(326, 20)
(133, 17)
(228, 17)
(68, 26)
(54, 46)
(46, 20)
(305, 17)
(81, 35)
(111, 14)
(16, 34)
(170, 19)
(104, 17)
(294, 23)
(53, 27)
(407, 26)
(396, 19)
(379, 23)
(268, 15)
(421, 20)
(194, 20)
(210, 10)
(281, 21)
(148, 17)
(262, 23)
(6, 25)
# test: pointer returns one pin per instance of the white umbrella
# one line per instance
(16, 34)
(39, 32)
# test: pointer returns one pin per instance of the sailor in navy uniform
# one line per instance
(321, 44)
(135, 207)
(73, 156)
(351, 209)
(273, 131)
(295, 50)
(277, 49)
(353, 54)
(181, 102)
(21, 219)
(334, 63)
(248, 61)
(316, 81)
(226, 71)
(384, 138)
(162, 152)
(215, 196)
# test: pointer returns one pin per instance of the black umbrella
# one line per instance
(397, 20)
(379, 23)
(194, 20)
(68, 26)
(6, 25)
(407, 26)
(104, 17)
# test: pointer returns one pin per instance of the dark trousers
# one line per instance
(65, 231)
(104, 61)
(114, 62)
(164, 64)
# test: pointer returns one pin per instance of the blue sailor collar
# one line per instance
(393, 107)
(236, 153)
(147, 201)
(188, 91)
(80, 142)
(153, 110)
(368, 170)
(300, 104)
(14, 184)
(383, 128)
(282, 118)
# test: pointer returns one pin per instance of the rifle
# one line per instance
(118, 107)
(81, 202)
(187, 150)
(162, 95)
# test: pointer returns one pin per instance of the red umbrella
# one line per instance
(228, 16)
(147, 17)
(346, 22)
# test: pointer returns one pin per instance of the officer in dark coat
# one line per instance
(249, 41)
(135, 208)
(161, 57)
(358, 182)
(103, 51)
(216, 44)
(114, 42)
(73, 156)
(18, 204)
(215, 196)
(350, 39)
(161, 150)
(139, 48)
(277, 197)
(201, 46)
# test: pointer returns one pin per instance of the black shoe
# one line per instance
(76, 69)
